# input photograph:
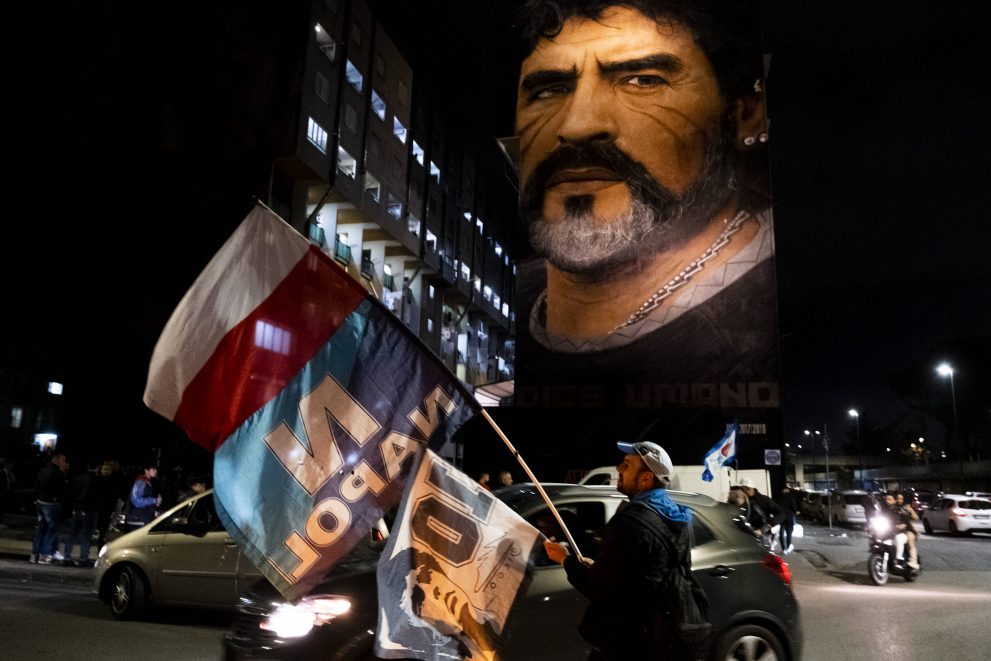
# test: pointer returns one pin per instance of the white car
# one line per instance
(848, 507)
(958, 514)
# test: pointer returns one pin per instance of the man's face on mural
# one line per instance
(624, 143)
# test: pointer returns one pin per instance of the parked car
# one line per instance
(814, 505)
(754, 612)
(848, 507)
(958, 514)
(184, 557)
(919, 499)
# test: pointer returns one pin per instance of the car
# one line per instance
(603, 475)
(848, 507)
(919, 499)
(183, 558)
(753, 609)
(958, 514)
(814, 505)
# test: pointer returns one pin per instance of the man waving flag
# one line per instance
(314, 397)
(721, 453)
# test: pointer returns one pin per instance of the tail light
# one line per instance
(956, 511)
(776, 564)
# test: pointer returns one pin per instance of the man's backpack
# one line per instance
(681, 622)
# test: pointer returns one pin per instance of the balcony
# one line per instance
(389, 282)
(367, 268)
(342, 252)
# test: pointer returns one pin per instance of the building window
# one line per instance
(480, 225)
(431, 291)
(487, 293)
(418, 153)
(467, 215)
(351, 118)
(346, 163)
(373, 186)
(465, 272)
(322, 87)
(395, 207)
(505, 309)
(354, 76)
(498, 250)
(326, 43)
(16, 417)
(495, 301)
(399, 130)
(413, 225)
(431, 241)
(54, 387)
(435, 172)
(430, 325)
(378, 105)
(478, 284)
(317, 135)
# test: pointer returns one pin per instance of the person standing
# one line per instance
(107, 495)
(764, 512)
(51, 488)
(789, 505)
(143, 500)
(634, 561)
(85, 505)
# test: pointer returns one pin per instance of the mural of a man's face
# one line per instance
(623, 139)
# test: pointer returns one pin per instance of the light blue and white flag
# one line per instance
(721, 453)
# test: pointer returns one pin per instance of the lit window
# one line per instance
(378, 105)
(326, 43)
(480, 225)
(467, 215)
(505, 260)
(317, 135)
(418, 153)
(395, 207)
(354, 76)
(498, 249)
(430, 325)
(478, 284)
(431, 291)
(322, 87)
(399, 130)
(431, 241)
(372, 186)
(271, 337)
(413, 225)
(465, 272)
(54, 387)
(505, 309)
(487, 293)
(346, 163)
(16, 417)
(495, 301)
(435, 171)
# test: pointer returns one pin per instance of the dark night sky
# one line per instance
(880, 170)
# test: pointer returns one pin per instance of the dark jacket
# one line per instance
(86, 492)
(622, 585)
(764, 511)
(142, 504)
(51, 484)
(789, 505)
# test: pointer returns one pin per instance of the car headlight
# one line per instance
(880, 524)
(295, 620)
(103, 550)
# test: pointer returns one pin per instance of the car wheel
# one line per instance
(877, 569)
(953, 528)
(748, 642)
(129, 594)
(928, 526)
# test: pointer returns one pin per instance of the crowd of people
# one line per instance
(79, 508)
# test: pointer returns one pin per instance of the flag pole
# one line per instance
(533, 478)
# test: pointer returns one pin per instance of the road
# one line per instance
(845, 616)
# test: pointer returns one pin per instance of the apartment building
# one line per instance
(414, 204)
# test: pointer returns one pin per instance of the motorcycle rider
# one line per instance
(907, 515)
(900, 524)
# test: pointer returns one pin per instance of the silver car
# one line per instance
(184, 557)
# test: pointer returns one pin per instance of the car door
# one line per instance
(198, 559)
(937, 514)
(715, 565)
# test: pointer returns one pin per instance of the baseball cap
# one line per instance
(653, 455)
(747, 482)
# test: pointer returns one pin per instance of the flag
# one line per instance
(313, 396)
(456, 562)
(721, 453)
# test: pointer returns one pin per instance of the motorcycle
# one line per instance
(883, 562)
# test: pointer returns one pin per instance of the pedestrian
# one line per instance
(505, 479)
(85, 489)
(195, 485)
(143, 499)
(483, 480)
(642, 546)
(764, 513)
(789, 506)
(51, 490)
(107, 495)
(7, 481)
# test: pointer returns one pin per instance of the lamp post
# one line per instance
(829, 492)
(945, 369)
(812, 440)
(860, 452)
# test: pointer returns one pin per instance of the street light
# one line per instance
(812, 439)
(853, 413)
(945, 369)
